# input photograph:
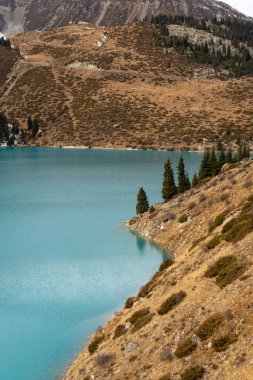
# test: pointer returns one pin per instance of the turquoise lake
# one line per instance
(67, 262)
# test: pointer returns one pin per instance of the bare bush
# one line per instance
(202, 197)
(191, 205)
(247, 184)
(103, 360)
(224, 197)
(166, 354)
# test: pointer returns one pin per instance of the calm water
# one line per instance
(66, 260)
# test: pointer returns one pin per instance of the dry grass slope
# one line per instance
(207, 327)
(125, 93)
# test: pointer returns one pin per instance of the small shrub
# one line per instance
(166, 354)
(222, 343)
(104, 360)
(139, 314)
(93, 346)
(171, 302)
(224, 197)
(166, 264)
(202, 197)
(225, 270)
(213, 242)
(152, 209)
(183, 218)
(218, 220)
(247, 184)
(191, 205)
(238, 230)
(193, 373)
(133, 358)
(119, 331)
(165, 377)
(149, 286)
(141, 322)
(185, 348)
(209, 326)
(130, 301)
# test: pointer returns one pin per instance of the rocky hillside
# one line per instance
(19, 15)
(117, 87)
(194, 318)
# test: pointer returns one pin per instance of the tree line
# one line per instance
(218, 54)
(210, 166)
(5, 42)
(8, 130)
(236, 30)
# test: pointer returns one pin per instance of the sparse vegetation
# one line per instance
(130, 301)
(140, 319)
(183, 218)
(213, 242)
(226, 270)
(104, 360)
(185, 348)
(93, 346)
(119, 331)
(219, 220)
(209, 326)
(139, 314)
(165, 377)
(193, 373)
(165, 264)
(222, 343)
(171, 302)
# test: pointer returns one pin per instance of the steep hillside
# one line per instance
(193, 319)
(119, 88)
(18, 15)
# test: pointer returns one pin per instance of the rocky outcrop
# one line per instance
(16, 15)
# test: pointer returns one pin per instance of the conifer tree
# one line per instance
(239, 153)
(204, 170)
(142, 202)
(213, 163)
(195, 180)
(35, 128)
(29, 123)
(222, 159)
(229, 156)
(187, 182)
(169, 189)
(182, 181)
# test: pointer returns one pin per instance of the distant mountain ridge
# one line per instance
(19, 15)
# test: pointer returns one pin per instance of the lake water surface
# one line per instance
(66, 260)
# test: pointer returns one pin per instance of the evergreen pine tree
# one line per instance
(222, 159)
(204, 170)
(229, 156)
(244, 151)
(169, 189)
(213, 163)
(182, 182)
(142, 202)
(239, 153)
(195, 180)
(29, 123)
(219, 146)
(187, 182)
(35, 128)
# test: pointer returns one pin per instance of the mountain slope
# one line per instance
(18, 15)
(195, 316)
(118, 88)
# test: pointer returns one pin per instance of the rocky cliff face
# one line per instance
(18, 15)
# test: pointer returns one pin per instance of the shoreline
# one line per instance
(120, 148)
